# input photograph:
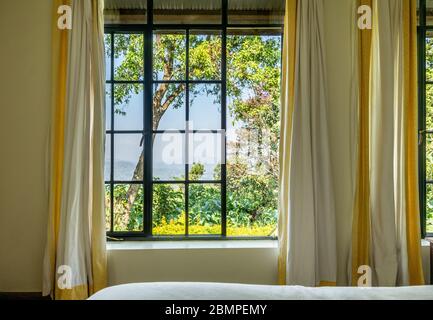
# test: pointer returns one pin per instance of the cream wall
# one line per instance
(24, 110)
(24, 115)
(228, 261)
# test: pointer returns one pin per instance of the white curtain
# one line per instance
(307, 215)
(75, 260)
(383, 102)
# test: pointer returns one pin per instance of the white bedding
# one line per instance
(219, 291)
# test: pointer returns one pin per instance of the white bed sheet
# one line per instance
(220, 291)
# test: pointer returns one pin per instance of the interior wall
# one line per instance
(25, 27)
(24, 116)
(233, 264)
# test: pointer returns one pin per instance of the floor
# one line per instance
(22, 296)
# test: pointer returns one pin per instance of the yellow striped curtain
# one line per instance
(386, 228)
(75, 257)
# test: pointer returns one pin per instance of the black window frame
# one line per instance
(423, 132)
(147, 30)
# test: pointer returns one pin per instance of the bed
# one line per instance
(220, 291)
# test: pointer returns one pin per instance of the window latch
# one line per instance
(421, 135)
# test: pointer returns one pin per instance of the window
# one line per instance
(425, 43)
(192, 113)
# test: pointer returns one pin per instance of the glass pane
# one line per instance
(108, 107)
(128, 157)
(429, 157)
(187, 12)
(128, 107)
(107, 162)
(169, 157)
(253, 134)
(204, 209)
(107, 208)
(107, 41)
(128, 207)
(429, 208)
(429, 107)
(205, 106)
(205, 55)
(256, 12)
(169, 49)
(252, 184)
(168, 209)
(206, 152)
(128, 57)
(169, 107)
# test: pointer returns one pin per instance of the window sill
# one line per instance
(188, 245)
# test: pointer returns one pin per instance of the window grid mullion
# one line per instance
(187, 133)
(112, 137)
(422, 114)
(148, 122)
(224, 117)
(125, 81)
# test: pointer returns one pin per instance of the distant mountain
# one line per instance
(124, 170)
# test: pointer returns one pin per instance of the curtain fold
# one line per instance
(410, 102)
(361, 91)
(75, 257)
(307, 216)
(287, 105)
(383, 102)
(386, 228)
